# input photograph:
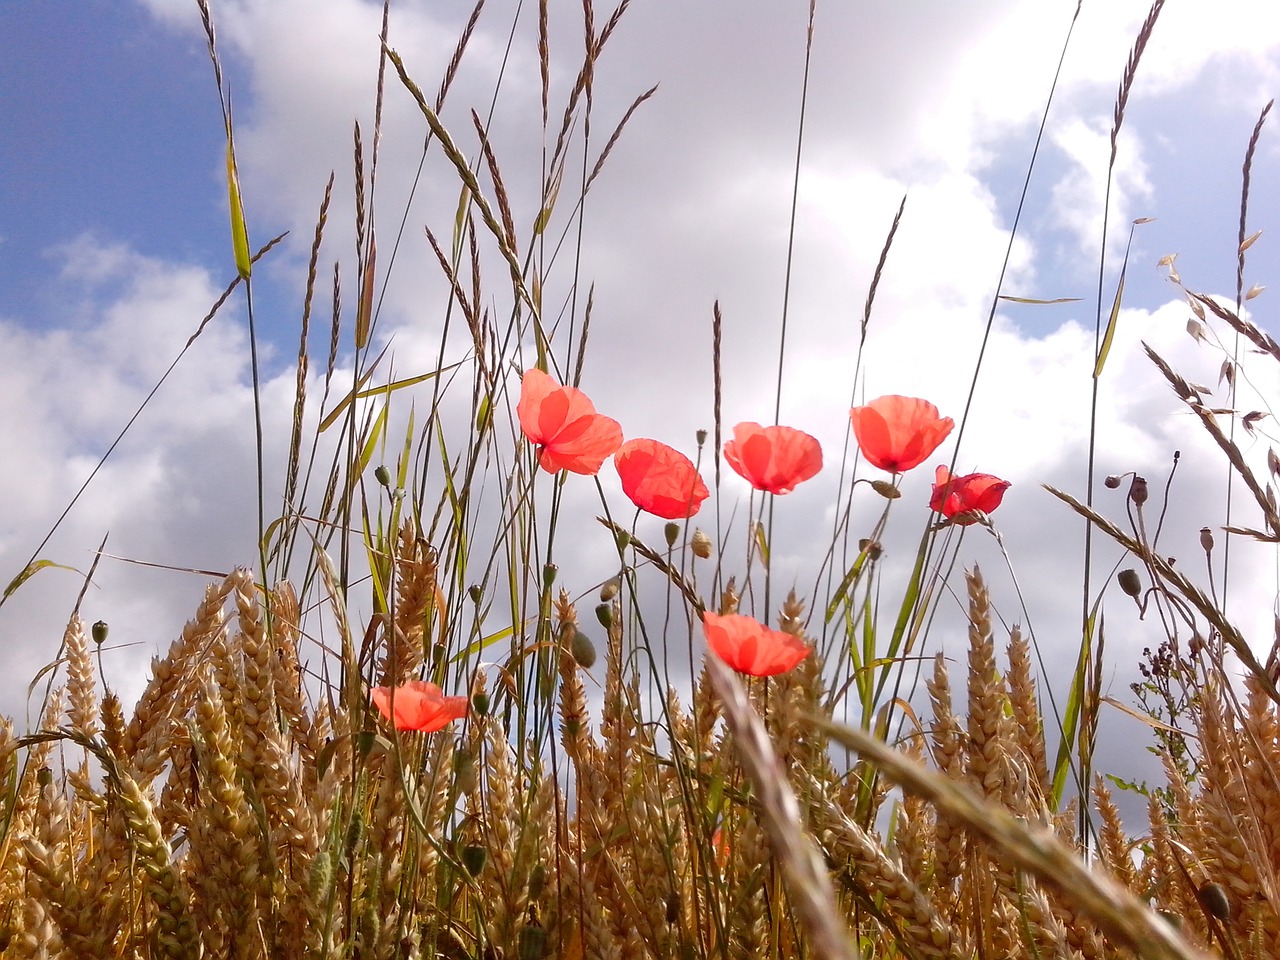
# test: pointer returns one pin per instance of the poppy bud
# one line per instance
(473, 858)
(1213, 897)
(673, 907)
(480, 703)
(382, 475)
(700, 544)
(610, 588)
(671, 531)
(549, 575)
(44, 777)
(1138, 490)
(99, 631)
(701, 436)
(1129, 582)
(475, 593)
(537, 881)
(886, 489)
(1111, 482)
(604, 613)
(583, 650)
(871, 548)
(1206, 539)
(532, 944)
(624, 539)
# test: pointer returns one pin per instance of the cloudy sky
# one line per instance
(113, 246)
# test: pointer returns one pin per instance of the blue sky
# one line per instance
(113, 231)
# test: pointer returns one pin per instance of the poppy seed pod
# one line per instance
(549, 572)
(1129, 582)
(44, 777)
(382, 475)
(480, 703)
(701, 437)
(1206, 539)
(475, 593)
(1111, 482)
(1138, 490)
(609, 589)
(670, 531)
(99, 631)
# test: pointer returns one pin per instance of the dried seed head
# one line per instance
(729, 598)
(1213, 897)
(1129, 582)
(1138, 490)
(1111, 482)
(871, 548)
(465, 775)
(1206, 539)
(700, 544)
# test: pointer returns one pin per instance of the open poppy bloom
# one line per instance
(660, 479)
(773, 459)
(564, 423)
(750, 647)
(898, 433)
(956, 498)
(419, 705)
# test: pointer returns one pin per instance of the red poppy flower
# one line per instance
(956, 497)
(898, 433)
(659, 479)
(419, 706)
(564, 423)
(750, 647)
(773, 459)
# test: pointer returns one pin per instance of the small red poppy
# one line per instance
(956, 498)
(898, 433)
(564, 423)
(660, 479)
(750, 647)
(773, 459)
(419, 705)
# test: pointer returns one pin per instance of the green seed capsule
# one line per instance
(99, 631)
(583, 650)
(383, 475)
(604, 613)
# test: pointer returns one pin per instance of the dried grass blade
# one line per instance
(807, 881)
(1123, 916)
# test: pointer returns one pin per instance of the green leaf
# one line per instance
(31, 569)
